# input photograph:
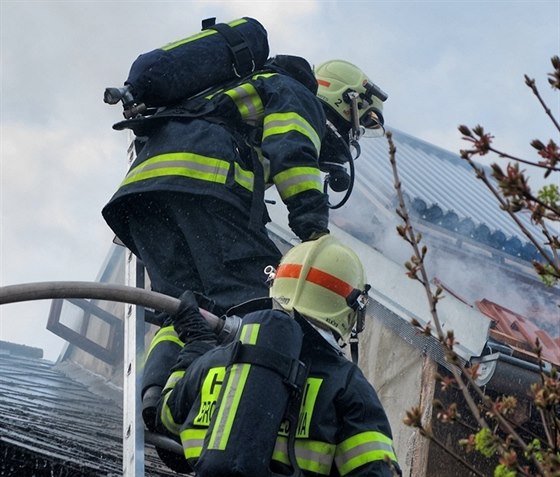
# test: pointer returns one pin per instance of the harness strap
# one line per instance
(243, 59)
(292, 370)
(257, 199)
(354, 347)
(292, 416)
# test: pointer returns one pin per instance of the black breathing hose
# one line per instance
(348, 191)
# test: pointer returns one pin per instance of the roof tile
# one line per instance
(521, 330)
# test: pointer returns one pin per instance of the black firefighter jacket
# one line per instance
(342, 428)
(266, 130)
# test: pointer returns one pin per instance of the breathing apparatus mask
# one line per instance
(335, 153)
(365, 111)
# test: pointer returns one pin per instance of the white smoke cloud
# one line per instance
(471, 272)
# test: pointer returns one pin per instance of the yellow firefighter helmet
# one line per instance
(348, 92)
(324, 281)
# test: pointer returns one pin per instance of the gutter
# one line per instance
(507, 374)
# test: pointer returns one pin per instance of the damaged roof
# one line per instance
(520, 333)
(442, 189)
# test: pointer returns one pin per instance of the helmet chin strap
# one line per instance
(356, 132)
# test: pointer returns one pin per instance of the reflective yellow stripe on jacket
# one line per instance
(190, 165)
(361, 449)
(166, 333)
(248, 102)
(297, 179)
(312, 456)
(192, 440)
(282, 123)
(166, 416)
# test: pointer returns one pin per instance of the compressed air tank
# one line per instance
(253, 399)
(189, 66)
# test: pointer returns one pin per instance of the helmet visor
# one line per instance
(371, 124)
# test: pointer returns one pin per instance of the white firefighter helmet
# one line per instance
(348, 92)
(324, 281)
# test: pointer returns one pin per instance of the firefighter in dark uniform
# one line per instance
(191, 206)
(342, 428)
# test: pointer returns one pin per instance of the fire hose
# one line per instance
(224, 328)
(110, 292)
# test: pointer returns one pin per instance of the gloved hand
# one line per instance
(189, 323)
(308, 213)
(204, 302)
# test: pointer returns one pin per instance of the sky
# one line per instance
(443, 63)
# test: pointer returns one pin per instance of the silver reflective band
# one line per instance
(357, 130)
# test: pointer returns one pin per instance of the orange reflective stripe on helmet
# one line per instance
(316, 276)
(288, 270)
(322, 280)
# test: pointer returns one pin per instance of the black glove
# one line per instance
(163, 319)
(189, 323)
(308, 213)
(204, 302)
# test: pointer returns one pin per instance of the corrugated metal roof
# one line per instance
(435, 177)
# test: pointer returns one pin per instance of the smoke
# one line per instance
(471, 274)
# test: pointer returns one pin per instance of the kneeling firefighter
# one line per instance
(282, 399)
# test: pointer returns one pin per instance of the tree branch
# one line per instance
(480, 174)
